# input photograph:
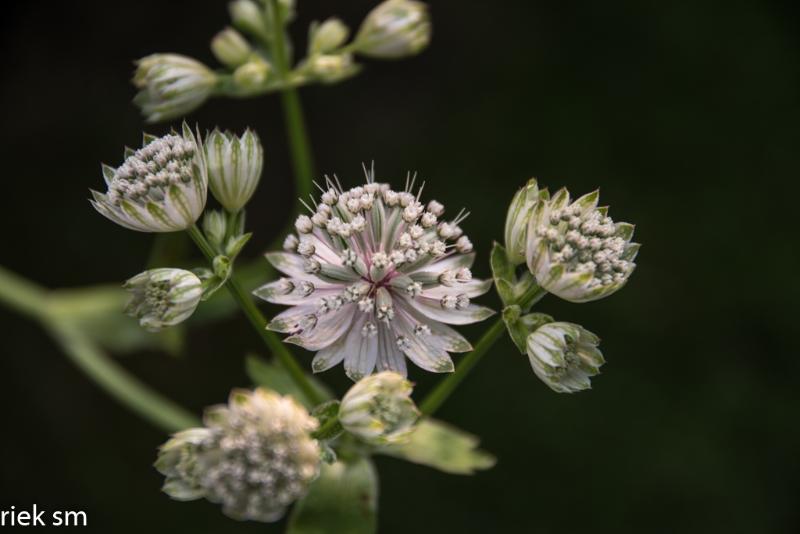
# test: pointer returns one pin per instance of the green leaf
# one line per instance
(327, 414)
(521, 326)
(343, 500)
(442, 447)
(272, 375)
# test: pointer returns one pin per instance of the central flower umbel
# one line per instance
(372, 276)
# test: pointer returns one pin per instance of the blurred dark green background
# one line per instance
(684, 113)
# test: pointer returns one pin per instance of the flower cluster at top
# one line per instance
(373, 276)
(172, 85)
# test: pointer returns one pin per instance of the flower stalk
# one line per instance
(258, 321)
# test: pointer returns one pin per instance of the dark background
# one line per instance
(684, 113)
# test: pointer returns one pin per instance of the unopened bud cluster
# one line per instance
(163, 297)
(255, 456)
(379, 410)
(564, 356)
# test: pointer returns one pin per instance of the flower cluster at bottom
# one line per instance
(255, 456)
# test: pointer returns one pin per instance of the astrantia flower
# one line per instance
(159, 188)
(394, 29)
(372, 276)
(171, 85)
(234, 167)
(575, 250)
(379, 409)
(163, 297)
(564, 356)
(255, 456)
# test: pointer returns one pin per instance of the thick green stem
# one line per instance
(32, 300)
(435, 398)
(440, 393)
(293, 112)
(258, 321)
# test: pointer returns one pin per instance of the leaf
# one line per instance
(521, 326)
(442, 447)
(272, 375)
(327, 414)
(343, 500)
(503, 273)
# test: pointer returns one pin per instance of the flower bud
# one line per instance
(252, 75)
(234, 167)
(248, 17)
(161, 187)
(394, 29)
(255, 456)
(230, 48)
(517, 221)
(575, 251)
(379, 410)
(564, 356)
(328, 36)
(171, 85)
(163, 297)
(331, 68)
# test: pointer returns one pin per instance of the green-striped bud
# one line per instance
(234, 167)
(564, 356)
(163, 297)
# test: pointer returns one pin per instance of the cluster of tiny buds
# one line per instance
(156, 296)
(151, 169)
(586, 243)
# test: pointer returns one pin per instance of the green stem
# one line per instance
(299, 144)
(258, 321)
(435, 398)
(119, 384)
(446, 387)
(32, 300)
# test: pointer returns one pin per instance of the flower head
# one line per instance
(159, 188)
(255, 456)
(163, 297)
(394, 29)
(575, 250)
(371, 277)
(564, 356)
(234, 167)
(379, 409)
(171, 85)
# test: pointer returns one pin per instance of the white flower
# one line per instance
(379, 409)
(575, 251)
(234, 167)
(564, 356)
(159, 188)
(517, 221)
(171, 85)
(395, 28)
(163, 297)
(255, 456)
(374, 291)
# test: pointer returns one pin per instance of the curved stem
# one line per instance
(299, 144)
(435, 398)
(440, 393)
(258, 321)
(32, 300)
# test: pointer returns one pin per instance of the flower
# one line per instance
(255, 456)
(394, 29)
(163, 297)
(379, 409)
(234, 167)
(564, 356)
(159, 188)
(373, 275)
(517, 221)
(576, 251)
(171, 85)
(230, 47)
